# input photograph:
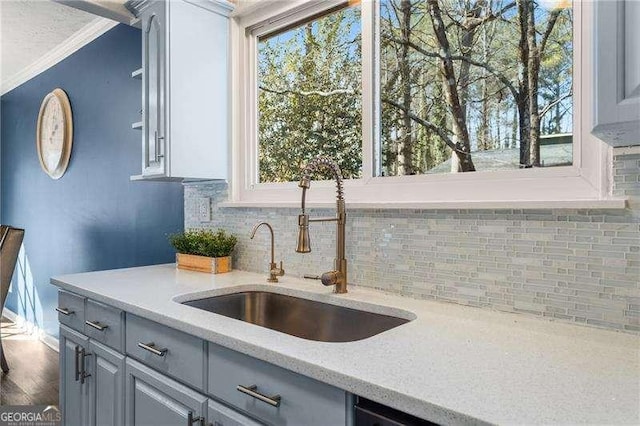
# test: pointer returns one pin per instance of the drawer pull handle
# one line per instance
(252, 391)
(192, 420)
(77, 362)
(97, 325)
(151, 347)
(83, 373)
(65, 311)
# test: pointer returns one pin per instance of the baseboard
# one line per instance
(11, 316)
(50, 341)
(45, 338)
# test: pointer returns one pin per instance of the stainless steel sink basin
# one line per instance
(299, 317)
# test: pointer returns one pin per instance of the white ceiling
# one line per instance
(31, 28)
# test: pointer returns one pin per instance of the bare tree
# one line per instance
(450, 86)
(531, 53)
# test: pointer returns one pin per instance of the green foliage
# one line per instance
(310, 97)
(204, 242)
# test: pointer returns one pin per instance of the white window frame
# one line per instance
(584, 184)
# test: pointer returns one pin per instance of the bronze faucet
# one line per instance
(337, 277)
(274, 271)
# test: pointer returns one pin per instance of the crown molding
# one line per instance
(113, 10)
(82, 37)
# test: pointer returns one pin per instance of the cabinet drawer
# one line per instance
(104, 324)
(169, 351)
(302, 401)
(71, 310)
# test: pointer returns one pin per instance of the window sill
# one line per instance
(605, 204)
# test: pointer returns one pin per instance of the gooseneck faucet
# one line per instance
(274, 271)
(338, 276)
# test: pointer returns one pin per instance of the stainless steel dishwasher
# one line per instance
(369, 413)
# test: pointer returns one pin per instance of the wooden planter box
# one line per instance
(212, 265)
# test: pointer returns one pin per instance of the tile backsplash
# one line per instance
(581, 266)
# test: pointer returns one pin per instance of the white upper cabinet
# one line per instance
(617, 72)
(185, 113)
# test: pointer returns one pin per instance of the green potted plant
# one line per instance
(204, 250)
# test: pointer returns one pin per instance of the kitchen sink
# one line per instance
(299, 317)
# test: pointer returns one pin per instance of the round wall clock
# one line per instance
(54, 136)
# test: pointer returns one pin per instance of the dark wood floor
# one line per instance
(33, 369)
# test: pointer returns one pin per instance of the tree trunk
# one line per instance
(484, 142)
(524, 131)
(533, 66)
(406, 134)
(514, 127)
(524, 120)
(449, 81)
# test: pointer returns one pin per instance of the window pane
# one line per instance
(457, 77)
(309, 96)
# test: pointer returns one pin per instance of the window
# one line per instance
(309, 95)
(456, 80)
(417, 100)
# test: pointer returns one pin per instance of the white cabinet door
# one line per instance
(154, 87)
(185, 89)
(617, 72)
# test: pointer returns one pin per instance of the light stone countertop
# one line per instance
(451, 364)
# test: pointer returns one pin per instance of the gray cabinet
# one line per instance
(71, 310)
(155, 400)
(273, 394)
(617, 72)
(106, 386)
(74, 390)
(185, 85)
(91, 381)
(104, 324)
(146, 373)
(172, 352)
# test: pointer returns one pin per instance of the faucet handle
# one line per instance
(277, 271)
(330, 278)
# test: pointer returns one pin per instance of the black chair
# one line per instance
(10, 242)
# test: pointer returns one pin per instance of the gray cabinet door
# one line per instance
(155, 400)
(74, 395)
(106, 386)
(153, 90)
(219, 415)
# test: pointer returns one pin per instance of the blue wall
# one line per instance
(93, 217)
